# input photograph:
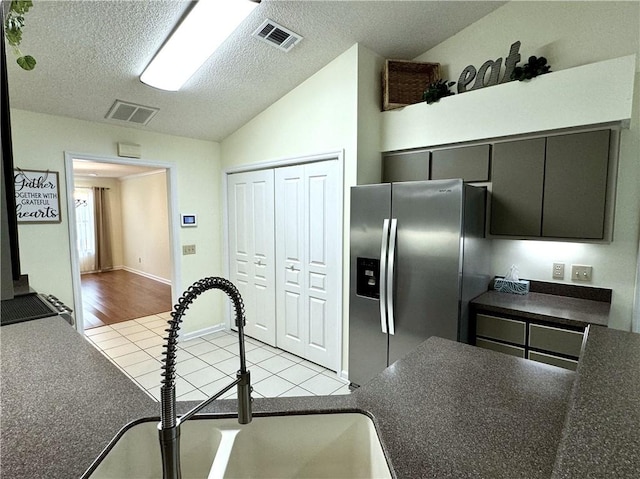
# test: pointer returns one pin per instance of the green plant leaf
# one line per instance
(27, 62)
(21, 6)
(14, 36)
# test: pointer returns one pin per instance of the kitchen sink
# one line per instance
(335, 445)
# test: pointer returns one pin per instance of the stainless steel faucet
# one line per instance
(169, 427)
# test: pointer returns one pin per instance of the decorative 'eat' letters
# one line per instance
(494, 67)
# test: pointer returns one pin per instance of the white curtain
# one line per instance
(85, 227)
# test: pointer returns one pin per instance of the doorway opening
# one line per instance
(123, 239)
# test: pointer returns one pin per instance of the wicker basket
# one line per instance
(404, 82)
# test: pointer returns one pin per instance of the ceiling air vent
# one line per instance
(276, 35)
(131, 112)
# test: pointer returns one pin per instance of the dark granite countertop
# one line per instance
(446, 410)
(546, 307)
(60, 400)
(601, 437)
(450, 410)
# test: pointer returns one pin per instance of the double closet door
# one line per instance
(285, 246)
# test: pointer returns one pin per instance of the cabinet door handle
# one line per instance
(291, 268)
(259, 263)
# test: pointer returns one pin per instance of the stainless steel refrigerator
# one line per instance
(418, 255)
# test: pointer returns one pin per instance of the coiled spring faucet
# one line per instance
(169, 427)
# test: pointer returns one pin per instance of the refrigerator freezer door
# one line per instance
(427, 263)
(368, 344)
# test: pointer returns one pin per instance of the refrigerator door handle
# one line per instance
(383, 275)
(390, 268)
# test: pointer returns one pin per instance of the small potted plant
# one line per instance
(535, 66)
(436, 90)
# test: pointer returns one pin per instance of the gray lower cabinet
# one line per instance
(554, 345)
(471, 163)
(407, 166)
(501, 347)
(552, 187)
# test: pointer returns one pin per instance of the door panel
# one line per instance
(308, 219)
(317, 324)
(251, 247)
(575, 185)
(427, 273)
(291, 320)
(370, 205)
(517, 175)
(289, 259)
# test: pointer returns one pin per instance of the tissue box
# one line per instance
(509, 286)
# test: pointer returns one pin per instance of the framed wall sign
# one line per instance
(37, 197)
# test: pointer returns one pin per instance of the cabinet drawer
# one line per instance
(501, 329)
(553, 360)
(500, 347)
(555, 340)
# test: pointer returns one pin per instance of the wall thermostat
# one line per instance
(188, 220)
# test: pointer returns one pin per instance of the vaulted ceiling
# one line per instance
(91, 53)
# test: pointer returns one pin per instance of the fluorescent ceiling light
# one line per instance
(208, 24)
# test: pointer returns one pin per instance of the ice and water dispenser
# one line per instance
(368, 277)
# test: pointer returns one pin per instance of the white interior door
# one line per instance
(308, 245)
(250, 202)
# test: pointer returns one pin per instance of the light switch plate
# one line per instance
(580, 272)
(558, 270)
(188, 249)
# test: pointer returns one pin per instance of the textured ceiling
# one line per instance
(91, 53)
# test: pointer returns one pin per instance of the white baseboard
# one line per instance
(202, 332)
(344, 376)
(146, 275)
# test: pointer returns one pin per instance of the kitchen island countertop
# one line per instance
(446, 410)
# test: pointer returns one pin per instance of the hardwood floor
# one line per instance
(116, 296)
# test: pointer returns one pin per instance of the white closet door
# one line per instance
(308, 243)
(290, 303)
(251, 249)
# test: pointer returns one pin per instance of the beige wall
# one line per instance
(145, 225)
(113, 197)
(336, 109)
(40, 141)
(370, 66)
(319, 116)
(569, 34)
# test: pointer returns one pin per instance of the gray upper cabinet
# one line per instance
(471, 163)
(575, 185)
(517, 176)
(410, 166)
(551, 187)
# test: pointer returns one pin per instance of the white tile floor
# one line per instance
(208, 363)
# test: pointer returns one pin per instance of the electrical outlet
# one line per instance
(580, 272)
(558, 270)
(188, 249)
